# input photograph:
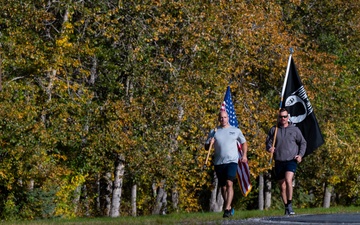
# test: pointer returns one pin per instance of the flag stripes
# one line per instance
(243, 174)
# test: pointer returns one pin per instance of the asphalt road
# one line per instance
(319, 219)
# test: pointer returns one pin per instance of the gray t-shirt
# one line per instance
(226, 150)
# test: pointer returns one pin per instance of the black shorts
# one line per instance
(225, 172)
(281, 167)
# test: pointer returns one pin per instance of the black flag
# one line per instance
(296, 101)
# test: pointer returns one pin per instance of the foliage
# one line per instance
(83, 82)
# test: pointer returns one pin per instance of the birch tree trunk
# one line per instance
(267, 190)
(174, 147)
(98, 191)
(76, 199)
(117, 187)
(93, 74)
(327, 195)
(51, 76)
(164, 204)
(30, 185)
(216, 199)
(261, 192)
(175, 199)
(160, 204)
(86, 201)
(133, 200)
(107, 194)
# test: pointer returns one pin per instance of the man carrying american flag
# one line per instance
(225, 139)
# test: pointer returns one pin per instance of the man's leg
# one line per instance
(289, 191)
(224, 194)
(283, 193)
(289, 184)
(229, 188)
(229, 194)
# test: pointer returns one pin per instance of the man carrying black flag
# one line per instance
(295, 135)
(300, 110)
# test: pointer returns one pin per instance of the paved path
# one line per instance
(319, 219)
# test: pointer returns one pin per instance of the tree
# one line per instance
(91, 86)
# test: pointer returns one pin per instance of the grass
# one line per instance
(180, 218)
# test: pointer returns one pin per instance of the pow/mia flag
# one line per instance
(296, 101)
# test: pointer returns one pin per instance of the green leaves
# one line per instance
(84, 82)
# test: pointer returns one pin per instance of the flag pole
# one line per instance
(208, 155)
(281, 101)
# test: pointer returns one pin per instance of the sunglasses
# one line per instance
(283, 116)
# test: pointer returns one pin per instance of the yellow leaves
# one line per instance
(68, 26)
(2, 175)
(59, 156)
(67, 187)
(77, 180)
(334, 180)
(138, 8)
(136, 50)
(63, 42)
(20, 116)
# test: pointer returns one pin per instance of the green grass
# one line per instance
(181, 218)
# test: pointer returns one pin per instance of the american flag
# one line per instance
(243, 172)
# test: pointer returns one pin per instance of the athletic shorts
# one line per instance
(281, 167)
(225, 172)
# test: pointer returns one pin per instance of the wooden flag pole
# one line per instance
(208, 155)
(274, 140)
(282, 98)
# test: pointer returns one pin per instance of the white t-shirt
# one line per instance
(226, 150)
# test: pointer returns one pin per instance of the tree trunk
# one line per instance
(267, 190)
(261, 192)
(160, 204)
(216, 199)
(93, 74)
(30, 185)
(98, 191)
(327, 195)
(51, 77)
(107, 194)
(85, 201)
(175, 199)
(76, 199)
(117, 188)
(133, 200)
(164, 204)
(174, 148)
